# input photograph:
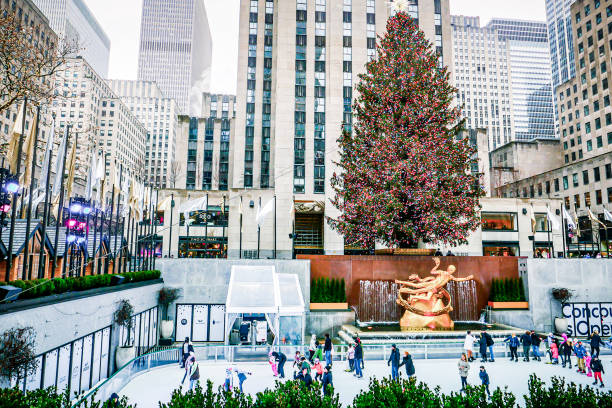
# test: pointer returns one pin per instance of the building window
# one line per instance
(598, 198)
(499, 221)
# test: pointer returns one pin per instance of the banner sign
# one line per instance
(584, 318)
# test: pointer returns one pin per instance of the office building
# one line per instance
(560, 40)
(159, 115)
(175, 50)
(73, 21)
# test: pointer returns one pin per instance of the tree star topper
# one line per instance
(399, 5)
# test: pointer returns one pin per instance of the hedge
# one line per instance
(507, 290)
(325, 290)
(44, 287)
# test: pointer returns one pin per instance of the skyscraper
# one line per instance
(72, 20)
(175, 50)
(559, 23)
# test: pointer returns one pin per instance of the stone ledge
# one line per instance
(26, 304)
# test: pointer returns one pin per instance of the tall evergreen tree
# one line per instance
(404, 176)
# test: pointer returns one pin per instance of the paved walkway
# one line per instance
(157, 385)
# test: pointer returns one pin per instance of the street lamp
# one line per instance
(76, 226)
(9, 185)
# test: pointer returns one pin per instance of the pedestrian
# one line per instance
(484, 377)
(194, 378)
(407, 361)
(597, 368)
(549, 342)
(535, 346)
(580, 352)
(358, 359)
(595, 343)
(449, 253)
(312, 347)
(306, 378)
(297, 363)
(327, 381)
(328, 349)
(554, 352)
(490, 344)
(482, 347)
(468, 345)
(242, 376)
(394, 361)
(229, 379)
(186, 349)
(587, 364)
(281, 359)
(318, 368)
(113, 401)
(513, 343)
(188, 362)
(350, 357)
(272, 362)
(464, 369)
(566, 352)
(526, 341)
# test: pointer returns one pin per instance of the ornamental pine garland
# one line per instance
(404, 176)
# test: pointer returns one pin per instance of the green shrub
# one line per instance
(49, 398)
(507, 290)
(325, 290)
(562, 394)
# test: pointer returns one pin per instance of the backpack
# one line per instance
(490, 341)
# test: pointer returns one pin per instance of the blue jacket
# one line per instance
(580, 351)
(513, 341)
(484, 377)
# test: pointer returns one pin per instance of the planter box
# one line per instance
(406, 251)
(329, 306)
(509, 305)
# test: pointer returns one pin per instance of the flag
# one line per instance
(29, 149)
(192, 205)
(292, 209)
(576, 224)
(125, 192)
(91, 176)
(533, 219)
(71, 170)
(59, 176)
(554, 222)
(164, 205)
(15, 136)
(568, 217)
(594, 218)
(47, 158)
(262, 212)
(100, 174)
(607, 215)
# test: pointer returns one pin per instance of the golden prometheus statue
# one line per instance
(428, 304)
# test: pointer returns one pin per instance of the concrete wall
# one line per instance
(207, 280)
(60, 323)
(589, 279)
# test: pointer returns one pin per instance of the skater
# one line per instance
(305, 365)
(587, 364)
(468, 344)
(313, 347)
(306, 378)
(549, 342)
(482, 348)
(350, 357)
(526, 341)
(318, 353)
(407, 361)
(597, 368)
(272, 362)
(358, 358)
(328, 349)
(242, 376)
(281, 359)
(595, 343)
(535, 346)
(566, 352)
(394, 361)
(297, 363)
(580, 352)
(513, 342)
(327, 381)
(186, 349)
(318, 368)
(484, 377)
(464, 369)
(554, 352)
(229, 379)
(194, 378)
(188, 362)
(490, 344)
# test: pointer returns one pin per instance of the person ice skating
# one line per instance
(595, 343)
(597, 368)
(526, 341)
(490, 344)
(549, 341)
(312, 347)
(468, 345)
(281, 359)
(297, 363)
(484, 377)
(394, 361)
(566, 351)
(194, 377)
(242, 376)
(113, 401)
(228, 383)
(587, 364)
(482, 348)
(328, 349)
(186, 348)
(358, 358)
(464, 369)
(580, 352)
(554, 353)
(318, 353)
(513, 343)
(327, 381)
(350, 357)
(306, 378)
(188, 362)
(318, 368)
(407, 361)
(272, 362)
(535, 346)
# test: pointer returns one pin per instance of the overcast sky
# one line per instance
(123, 28)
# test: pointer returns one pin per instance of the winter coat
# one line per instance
(482, 343)
(313, 343)
(195, 372)
(526, 340)
(554, 350)
(394, 358)
(307, 380)
(328, 344)
(469, 342)
(535, 340)
(464, 368)
(513, 341)
(489, 339)
(318, 353)
(358, 351)
(280, 357)
(327, 380)
(596, 366)
(407, 361)
(566, 348)
(306, 366)
(484, 376)
(350, 354)
(596, 341)
(580, 351)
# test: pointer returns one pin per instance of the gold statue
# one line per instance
(428, 304)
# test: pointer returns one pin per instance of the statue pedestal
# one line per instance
(427, 321)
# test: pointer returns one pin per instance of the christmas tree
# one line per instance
(404, 176)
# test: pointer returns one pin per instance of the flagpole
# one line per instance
(150, 254)
(171, 226)
(240, 241)
(206, 228)
(258, 229)
(155, 225)
(9, 255)
(27, 266)
(274, 226)
(293, 233)
(102, 217)
(60, 208)
(563, 229)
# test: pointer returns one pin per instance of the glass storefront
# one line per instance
(499, 221)
(500, 249)
(202, 247)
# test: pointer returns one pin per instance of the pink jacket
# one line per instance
(554, 350)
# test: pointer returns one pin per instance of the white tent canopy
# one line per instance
(259, 289)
